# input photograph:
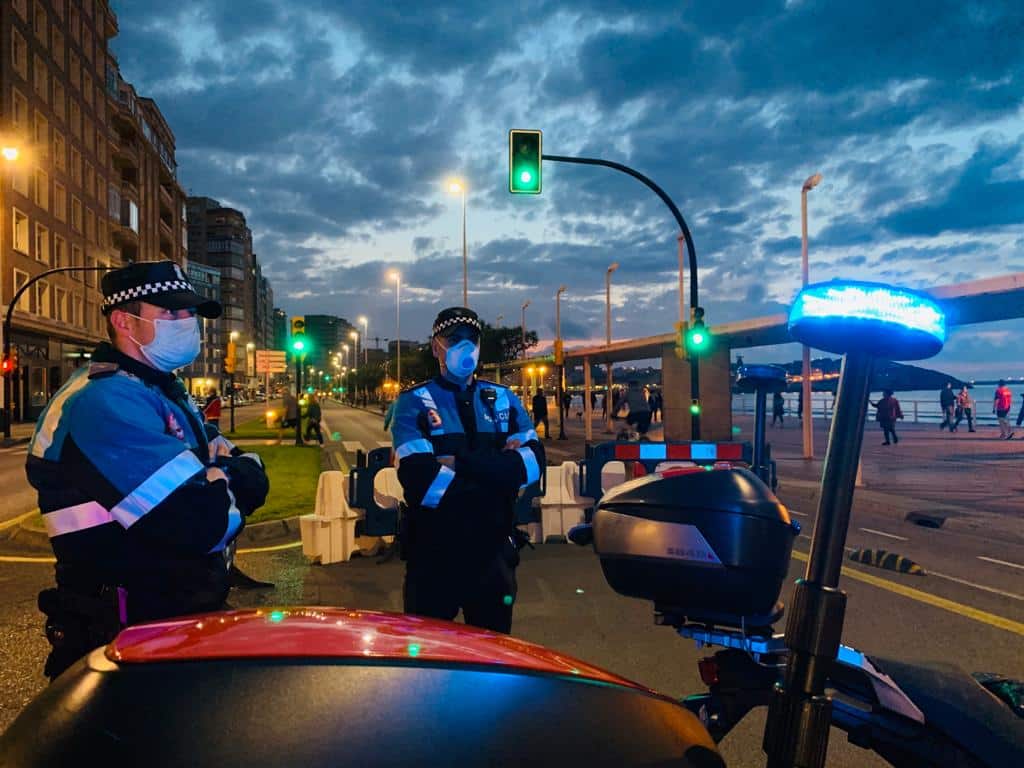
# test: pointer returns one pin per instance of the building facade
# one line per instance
(88, 187)
(207, 370)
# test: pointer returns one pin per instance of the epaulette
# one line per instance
(102, 370)
(417, 385)
(488, 383)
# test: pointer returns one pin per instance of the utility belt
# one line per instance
(77, 622)
(407, 539)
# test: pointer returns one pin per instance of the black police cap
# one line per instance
(449, 319)
(162, 283)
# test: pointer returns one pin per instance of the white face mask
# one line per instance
(460, 359)
(175, 343)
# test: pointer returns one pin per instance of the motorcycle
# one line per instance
(710, 549)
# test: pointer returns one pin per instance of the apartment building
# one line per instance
(80, 186)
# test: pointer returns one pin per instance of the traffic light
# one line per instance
(10, 364)
(299, 343)
(695, 407)
(230, 359)
(698, 337)
(524, 161)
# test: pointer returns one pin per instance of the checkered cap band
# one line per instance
(451, 322)
(139, 292)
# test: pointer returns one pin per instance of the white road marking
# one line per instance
(802, 514)
(1000, 562)
(993, 590)
(883, 533)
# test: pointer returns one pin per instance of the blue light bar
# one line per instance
(652, 451)
(887, 322)
(704, 451)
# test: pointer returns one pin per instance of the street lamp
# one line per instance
(397, 277)
(354, 335)
(608, 332)
(458, 186)
(10, 155)
(805, 383)
(523, 328)
(561, 362)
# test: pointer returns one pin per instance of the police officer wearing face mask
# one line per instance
(141, 500)
(465, 448)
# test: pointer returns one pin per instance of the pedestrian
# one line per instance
(655, 401)
(313, 416)
(778, 409)
(577, 405)
(566, 402)
(1001, 404)
(800, 403)
(888, 411)
(1020, 416)
(947, 401)
(291, 410)
(211, 411)
(142, 502)
(964, 407)
(639, 416)
(465, 449)
(540, 412)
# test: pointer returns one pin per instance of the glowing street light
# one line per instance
(608, 333)
(458, 187)
(805, 384)
(395, 275)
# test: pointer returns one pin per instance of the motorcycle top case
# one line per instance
(711, 546)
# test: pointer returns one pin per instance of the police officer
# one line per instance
(465, 448)
(141, 500)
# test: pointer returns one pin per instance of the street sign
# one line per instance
(270, 361)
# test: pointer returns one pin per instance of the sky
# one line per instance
(334, 126)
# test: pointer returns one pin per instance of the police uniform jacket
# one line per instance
(470, 505)
(119, 458)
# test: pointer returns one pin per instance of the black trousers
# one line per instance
(538, 420)
(889, 430)
(439, 583)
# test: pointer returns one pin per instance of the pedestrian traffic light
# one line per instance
(524, 161)
(698, 337)
(10, 364)
(230, 358)
(695, 407)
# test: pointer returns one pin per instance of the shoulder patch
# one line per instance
(101, 370)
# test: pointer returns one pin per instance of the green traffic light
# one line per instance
(524, 162)
(298, 345)
(695, 408)
(526, 177)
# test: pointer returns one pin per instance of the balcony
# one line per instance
(125, 117)
(126, 231)
(125, 154)
(166, 235)
(166, 201)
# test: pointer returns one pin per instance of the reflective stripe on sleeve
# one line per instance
(76, 518)
(530, 462)
(420, 445)
(524, 437)
(234, 523)
(425, 397)
(437, 488)
(156, 488)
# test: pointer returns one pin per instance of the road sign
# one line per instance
(270, 361)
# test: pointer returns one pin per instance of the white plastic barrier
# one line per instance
(612, 473)
(387, 491)
(329, 534)
(550, 507)
(575, 505)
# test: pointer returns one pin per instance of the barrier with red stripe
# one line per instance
(649, 455)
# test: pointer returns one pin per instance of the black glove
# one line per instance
(247, 480)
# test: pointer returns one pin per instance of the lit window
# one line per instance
(42, 244)
(41, 78)
(76, 214)
(25, 301)
(42, 189)
(19, 112)
(42, 134)
(40, 23)
(61, 305)
(60, 251)
(60, 201)
(19, 54)
(60, 160)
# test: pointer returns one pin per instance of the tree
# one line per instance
(502, 345)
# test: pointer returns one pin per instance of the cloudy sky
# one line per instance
(333, 125)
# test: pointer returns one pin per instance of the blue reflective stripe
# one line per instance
(234, 523)
(525, 437)
(501, 402)
(414, 446)
(424, 395)
(437, 488)
(530, 462)
(156, 488)
(47, 426)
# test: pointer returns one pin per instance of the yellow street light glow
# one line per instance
(10, 153)
(394, 274)
(251, 345)
(234, 335)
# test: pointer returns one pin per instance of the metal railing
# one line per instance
(914, 411)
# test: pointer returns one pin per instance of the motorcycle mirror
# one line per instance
(581, 535)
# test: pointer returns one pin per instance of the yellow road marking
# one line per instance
(276, 548)
(929, 599)
(16, 559)
(17, 520)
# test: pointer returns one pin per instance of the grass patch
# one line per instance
(255, 429)
(293, 472)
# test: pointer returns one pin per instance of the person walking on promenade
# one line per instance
(635, 398)
(540, 412)
(964, 407)
(888, 411)
(778, 409)
(566, 402)
(1001, 404)
(211, 411)
(313, 416)
(947, 400)
(1020, 416)
(291, 410)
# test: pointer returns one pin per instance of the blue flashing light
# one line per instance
(882, 320)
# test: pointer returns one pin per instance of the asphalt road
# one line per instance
(975, 617)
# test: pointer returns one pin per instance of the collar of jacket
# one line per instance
(168, 383)
(445, 383)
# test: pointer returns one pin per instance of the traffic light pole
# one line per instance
(8, 379)
(299, 359)
(691, 250)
